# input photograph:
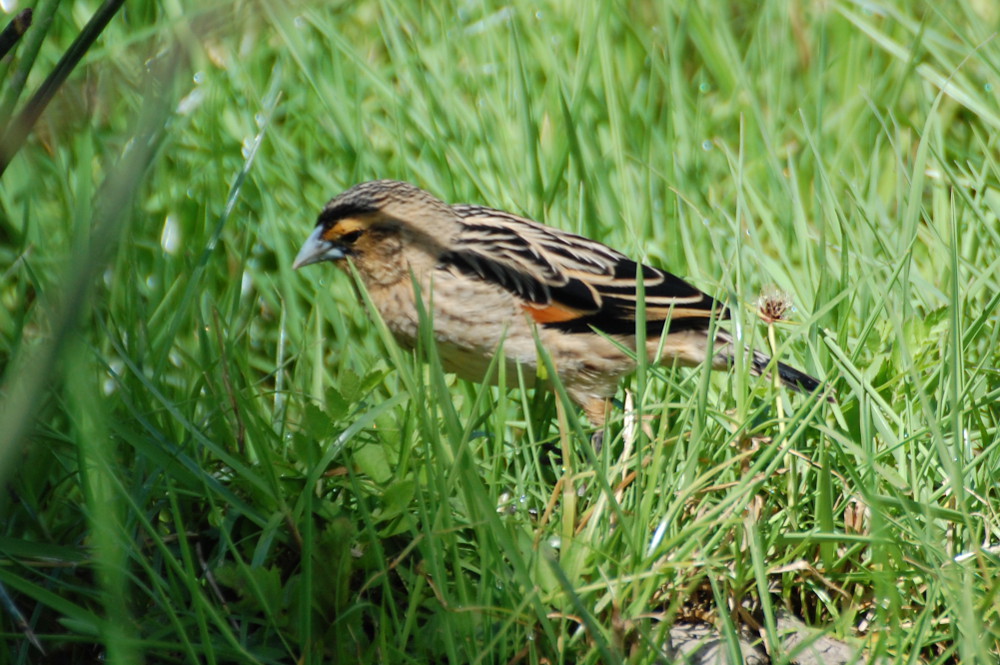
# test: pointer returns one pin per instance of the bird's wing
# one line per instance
(571, 282)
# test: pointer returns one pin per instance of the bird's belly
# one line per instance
(470, 333)
(477, 365)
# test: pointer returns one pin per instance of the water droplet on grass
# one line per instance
(170, 236)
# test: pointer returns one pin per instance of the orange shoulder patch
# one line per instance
(551, 313)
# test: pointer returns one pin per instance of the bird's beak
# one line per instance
(317, 249)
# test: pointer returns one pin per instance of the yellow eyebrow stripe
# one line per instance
(344, 226)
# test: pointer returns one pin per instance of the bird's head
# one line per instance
(385, 228)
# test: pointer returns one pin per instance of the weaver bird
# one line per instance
(492, 280)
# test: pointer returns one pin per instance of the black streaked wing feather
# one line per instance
(547, 266)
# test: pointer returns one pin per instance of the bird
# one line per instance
(492, 280)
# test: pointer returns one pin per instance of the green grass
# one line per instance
(209, 458)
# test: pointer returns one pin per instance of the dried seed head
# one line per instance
(773, 304)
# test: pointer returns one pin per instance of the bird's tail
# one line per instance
(792, 378)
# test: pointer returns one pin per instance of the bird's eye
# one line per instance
(349, 237)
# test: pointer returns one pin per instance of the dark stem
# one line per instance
(18, 131)
(14, 30)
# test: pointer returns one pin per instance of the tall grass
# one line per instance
(210, 458)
